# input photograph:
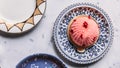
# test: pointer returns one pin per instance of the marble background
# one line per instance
(39, 40)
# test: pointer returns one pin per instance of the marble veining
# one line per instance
(13, 50)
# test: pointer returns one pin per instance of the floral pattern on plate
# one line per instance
(93, 53)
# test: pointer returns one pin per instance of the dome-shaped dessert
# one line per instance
(83, 31)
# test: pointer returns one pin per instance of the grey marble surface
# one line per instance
(39, 40)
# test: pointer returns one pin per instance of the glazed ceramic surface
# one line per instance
(13, 50)
(20, 16)
(41, 61)
(99, 49)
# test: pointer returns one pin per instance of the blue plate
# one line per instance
(93, 53)
(41, 61)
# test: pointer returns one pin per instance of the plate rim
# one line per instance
(28, 29)
(92, 6)
(41, 55)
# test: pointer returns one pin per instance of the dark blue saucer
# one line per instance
(41, 61)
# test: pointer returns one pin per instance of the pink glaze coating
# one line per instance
(83, 31)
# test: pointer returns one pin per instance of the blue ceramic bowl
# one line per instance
(41, 61)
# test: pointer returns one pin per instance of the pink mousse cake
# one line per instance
(83, 31)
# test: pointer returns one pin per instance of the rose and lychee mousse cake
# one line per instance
(83, 32)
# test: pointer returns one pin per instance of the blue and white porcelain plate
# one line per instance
(93, 53)
(41, 61)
